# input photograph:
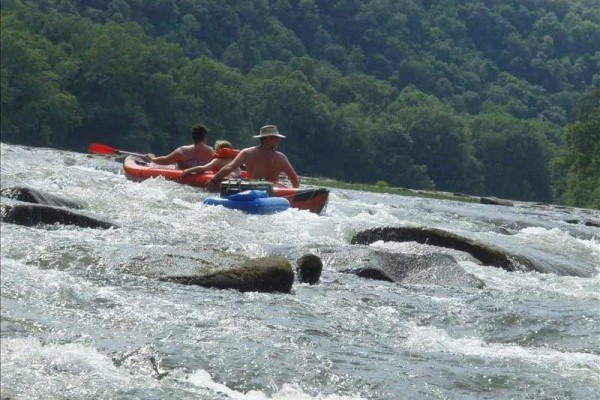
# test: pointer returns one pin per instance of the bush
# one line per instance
(381, 185)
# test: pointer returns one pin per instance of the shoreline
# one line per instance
(590, 217)
(430, 194)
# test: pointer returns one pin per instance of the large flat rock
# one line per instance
(214, 269)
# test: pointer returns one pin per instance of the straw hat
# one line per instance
(269, 130)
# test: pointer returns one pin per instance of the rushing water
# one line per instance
(76, 326)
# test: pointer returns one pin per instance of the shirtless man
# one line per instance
(191, 155)
(221, 159)
(262, 161)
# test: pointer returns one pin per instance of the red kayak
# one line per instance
(313, 200)
(136, 170)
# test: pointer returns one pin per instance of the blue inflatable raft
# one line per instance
(251, 201)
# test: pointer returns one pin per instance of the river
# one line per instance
(75, 325)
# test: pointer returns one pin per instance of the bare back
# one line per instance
(200, 152)
(261, 163)
(266, 163)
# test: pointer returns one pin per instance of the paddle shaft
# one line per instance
(100, 148)
(129, 153)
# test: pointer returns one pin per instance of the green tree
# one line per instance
(301, 113)
(214, 96)
(439, 141)
(515, 155)
(583, 155)
(393, 162)
(125, 89)
(34, 109)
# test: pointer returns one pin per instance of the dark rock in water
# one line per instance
(427, 269)
(309, 268)
(35, 196)
(369, 273)
(486, 253)
(586, 222)
(502, 230)
(590, 222)
(267, 274)
(35, 214)
(440, 269)
(157, 374)
(496, 201)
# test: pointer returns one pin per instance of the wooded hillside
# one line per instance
(485, 97)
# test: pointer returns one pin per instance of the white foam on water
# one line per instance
(50, 289)
(162, 214)
(536, 283)
(202, 379)
(436, 340)
(33, 369)
(361, 213)
(553, 239)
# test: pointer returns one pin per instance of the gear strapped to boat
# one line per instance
(233, 186)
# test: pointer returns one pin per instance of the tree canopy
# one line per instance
(484, 97)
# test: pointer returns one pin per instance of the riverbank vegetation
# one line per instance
(383, 187)
(487, 98)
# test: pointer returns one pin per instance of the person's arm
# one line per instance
(199, 168)
(290, 172)
(226, 170)
(173, 158)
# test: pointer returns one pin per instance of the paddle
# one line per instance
(99, 148)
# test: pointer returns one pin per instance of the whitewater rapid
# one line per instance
(75, 325)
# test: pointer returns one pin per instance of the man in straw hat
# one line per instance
(262, 161)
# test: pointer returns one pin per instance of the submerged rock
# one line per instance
(309, 268)
(485, 253)
(590, 222)
(585, 222)
(30, 195)
(36, 214)
(426, 269)
(369, 273)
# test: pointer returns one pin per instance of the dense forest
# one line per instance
(489, 97)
